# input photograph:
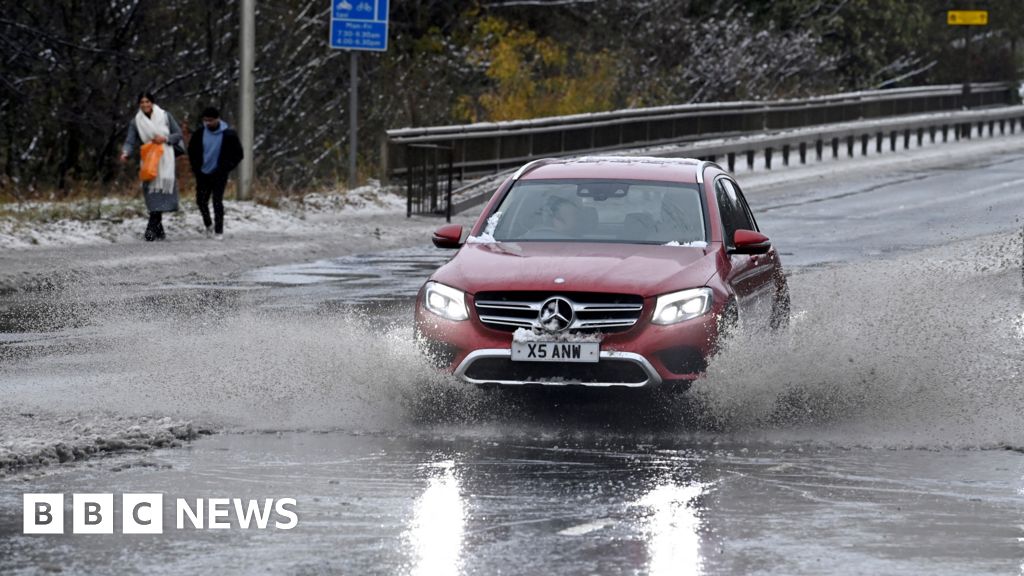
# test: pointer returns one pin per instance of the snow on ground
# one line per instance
(365, 200)
(30, 439)
(119, 220)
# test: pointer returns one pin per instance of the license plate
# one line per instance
(556, 351)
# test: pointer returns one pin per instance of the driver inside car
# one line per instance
(562, 218)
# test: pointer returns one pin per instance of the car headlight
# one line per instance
(445, 301)
(680, 306)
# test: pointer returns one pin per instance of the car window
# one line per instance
(732, 208)
(746, 207)
(584, 210)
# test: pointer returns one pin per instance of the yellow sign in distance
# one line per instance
(967, 17)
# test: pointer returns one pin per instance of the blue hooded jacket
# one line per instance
(211, 147)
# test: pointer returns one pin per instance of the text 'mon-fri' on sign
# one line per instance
(967, 17)
(359, 25)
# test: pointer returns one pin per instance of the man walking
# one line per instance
(213, 152)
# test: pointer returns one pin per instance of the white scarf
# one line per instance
(150, 127)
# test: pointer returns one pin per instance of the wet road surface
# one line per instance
(881, 436)
(378, 504)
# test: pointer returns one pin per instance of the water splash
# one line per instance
(919, 350)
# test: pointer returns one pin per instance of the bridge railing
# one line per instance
(487, 148)
(811, 143)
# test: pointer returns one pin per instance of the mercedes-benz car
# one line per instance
(601, 271)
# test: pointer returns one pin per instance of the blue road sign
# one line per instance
(359, 24)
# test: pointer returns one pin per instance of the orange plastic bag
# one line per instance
(150, 166)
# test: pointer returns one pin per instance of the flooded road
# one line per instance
(881, 434)
(522, 504)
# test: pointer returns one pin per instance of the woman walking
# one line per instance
(153, 124)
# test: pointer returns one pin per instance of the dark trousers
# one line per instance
(211, 186)
(156, 220)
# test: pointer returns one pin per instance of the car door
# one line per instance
(750, 275)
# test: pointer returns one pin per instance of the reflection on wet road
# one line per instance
(484, 504)
(881, 215)
(365, 279)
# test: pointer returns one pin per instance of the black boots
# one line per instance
(155, 228)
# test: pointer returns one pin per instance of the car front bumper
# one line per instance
(646, 355)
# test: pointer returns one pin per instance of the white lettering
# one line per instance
(195, 516)
(293, 521)
(218, 508)
(143, 513)
(253, 511)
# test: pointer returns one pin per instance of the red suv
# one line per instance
(600, 271)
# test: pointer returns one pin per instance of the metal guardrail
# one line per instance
(487, 148)
(958, 125)
(428, 180)
(848, 136)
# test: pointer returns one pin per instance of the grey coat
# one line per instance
(132, 142)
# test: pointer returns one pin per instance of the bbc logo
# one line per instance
(93, 514)
(144, 513)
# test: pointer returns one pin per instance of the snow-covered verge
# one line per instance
(46, 248)
(35, 439)
(119, 220)
(369, 199)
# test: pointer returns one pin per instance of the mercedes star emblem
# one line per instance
(556, 314)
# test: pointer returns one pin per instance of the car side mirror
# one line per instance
(449, 236)
(750, 242)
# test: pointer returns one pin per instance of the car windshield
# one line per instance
(624, 211)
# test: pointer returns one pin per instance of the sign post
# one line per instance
(967, 18)
(357, 25)
(246, 96)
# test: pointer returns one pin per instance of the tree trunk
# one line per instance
(74, 144)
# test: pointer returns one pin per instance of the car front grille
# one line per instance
(593, 311)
